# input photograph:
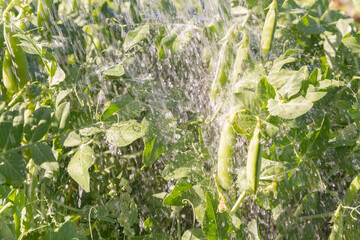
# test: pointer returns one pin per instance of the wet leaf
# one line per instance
(136, 36)
(80, 163)
(116, 71)
(61, 116)
(123, 134)
(289, 110)
(215, 225)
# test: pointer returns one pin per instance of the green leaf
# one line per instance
(265, 90)
(11, 128)
(80, 163)
(61, 96)
(67, 231)
(71, 139)
(193, 234)
(247, 100)
(125, 105)
(289, 110)
(58, 77)
(181, 166)
(37, 124)
(310, 25)
(5, 232)
(123, 134)
(353, 43)
(61, 117)
(116, 71)
(182, 40)
(41, 153)
(135, 36)
(158, 129)
(182, 186)
(215, 225)
(13, 168)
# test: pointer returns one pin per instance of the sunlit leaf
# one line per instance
(123, 134)
(215, 225)
(116, 71)
(135, 36)
(289, 110)
(80, 163)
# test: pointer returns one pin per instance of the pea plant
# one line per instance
(179, 119)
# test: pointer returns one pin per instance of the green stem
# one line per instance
(178, 219)
(238, 202)
(3, 208)
(66, 206)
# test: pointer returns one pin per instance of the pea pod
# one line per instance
(253, 165)
(268, 30)
(224, 63)
(242, 55)
(225, 154)
(15, 66)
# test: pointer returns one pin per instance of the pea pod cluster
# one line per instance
(15, 68)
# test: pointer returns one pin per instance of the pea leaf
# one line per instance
(289, 110)
(181, 166)
(37, 124)
(80, 163)
(67, 231)
(12, 167)
(11, 128)
(123, 134)
(182, 186)
(125, 105)
(353, 43)
(247, 100)
(61, 117)
(158, 129)
(215, 225)
(116, 71)
(135, 36)
(71, 139)
(42, 153)
(58, 77)
(193, 234)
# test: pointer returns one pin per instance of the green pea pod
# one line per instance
(253, 165)
(225, 154)
(15, 65)
(9, 77)
(224, 62)
(268, 30)
(242, 55)
(43, 14)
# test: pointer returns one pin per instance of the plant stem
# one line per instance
(178, 209)
(238, 202)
